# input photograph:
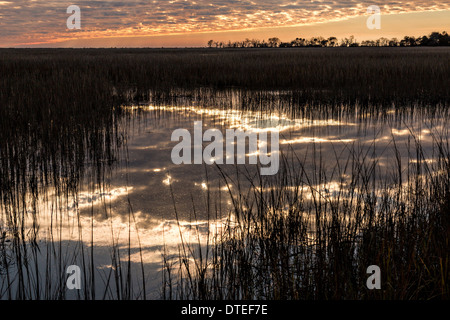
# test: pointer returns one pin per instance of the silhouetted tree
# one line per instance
(444, 39)
(332, 41)
(273, 42)
(408, 42)
(393, 42)
(433, 39)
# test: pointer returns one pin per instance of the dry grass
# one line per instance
(59, 115)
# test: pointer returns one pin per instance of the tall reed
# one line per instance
(311, 234)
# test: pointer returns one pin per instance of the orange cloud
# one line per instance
(25, 23)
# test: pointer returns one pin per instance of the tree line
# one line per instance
(433, 39)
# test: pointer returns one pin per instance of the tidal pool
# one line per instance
(122, 231)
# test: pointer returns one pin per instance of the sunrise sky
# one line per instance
(189, 23)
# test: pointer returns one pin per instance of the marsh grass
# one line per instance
(41, 179)
(294, 237)
(60, 132)
(60, 121)
(327, 76)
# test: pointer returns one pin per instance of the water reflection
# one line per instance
(147, 204)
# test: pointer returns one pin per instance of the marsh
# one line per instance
(87, 177)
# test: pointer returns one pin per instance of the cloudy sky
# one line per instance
(192, 22)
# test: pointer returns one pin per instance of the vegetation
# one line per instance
(59, 133)
(433, 39)
(293, 237)
(60, 126)
(98, 78)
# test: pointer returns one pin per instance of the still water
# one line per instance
(146, 203)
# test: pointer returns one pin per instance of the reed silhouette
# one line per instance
(61, 127)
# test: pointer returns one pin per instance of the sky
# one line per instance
(191, 23)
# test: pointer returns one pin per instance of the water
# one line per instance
(146, 203)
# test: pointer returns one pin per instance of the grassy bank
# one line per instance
(315, 75)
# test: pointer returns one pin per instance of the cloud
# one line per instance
(45, 21)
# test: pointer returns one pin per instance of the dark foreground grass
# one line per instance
(290, 237)
(317, 75)
(58, 131)
(59, 112)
